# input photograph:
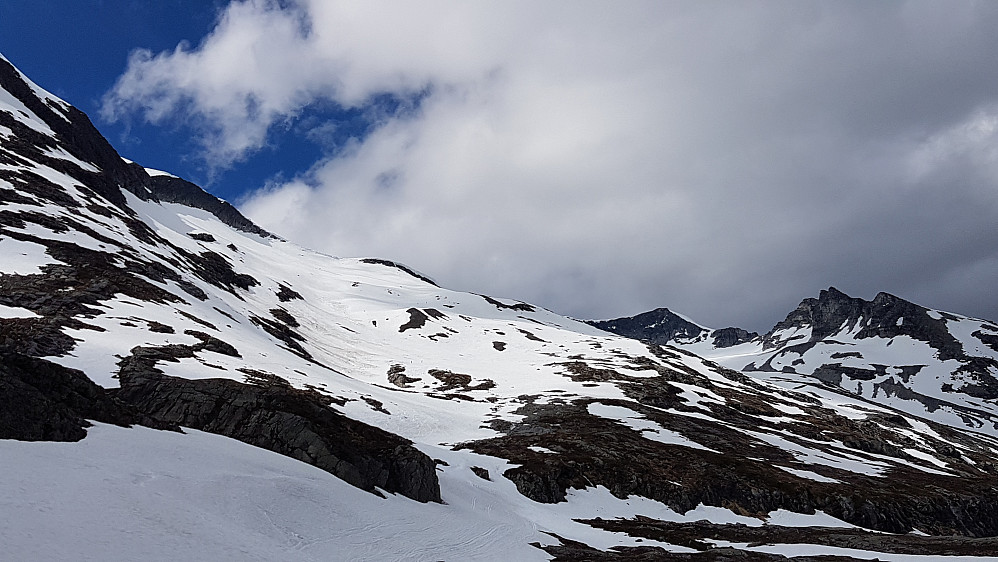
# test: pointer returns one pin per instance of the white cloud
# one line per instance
(599, 158)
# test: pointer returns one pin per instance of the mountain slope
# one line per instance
(489, 425)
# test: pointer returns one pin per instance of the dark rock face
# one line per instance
(417, 319)
(660, 326)
(175, 190)
(80, 138)
(728, 337)
(44, 401)
(882, 317)
(275, 416)
(286, 294)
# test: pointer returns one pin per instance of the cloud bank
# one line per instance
(601, 159)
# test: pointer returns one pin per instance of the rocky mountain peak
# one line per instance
(658, 326)
(886, 316)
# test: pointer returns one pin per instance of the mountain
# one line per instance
(215, 392)
(662, 326)
(888, 351)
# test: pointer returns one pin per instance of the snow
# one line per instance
(926, 457)
(20, 112)
(23, 258)
(842, 460)
(16, 312)
(819, 518)
(154, 172)
(60, 153)
(212, 498)
(851, 352)
(808, 475)
(647, 428)
(162, 495)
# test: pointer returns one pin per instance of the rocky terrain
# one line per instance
(454, 425)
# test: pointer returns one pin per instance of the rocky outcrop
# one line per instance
(728, 337)
(44, 401)
(275, 416)
(886, 316)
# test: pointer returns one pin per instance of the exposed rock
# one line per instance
(278, 417)
(286, 294)
(396, 376)
(202, 236)
(736, 471)
(456, 380)
(417, 319)
(728, 337)
(520, 306)
(44, 401)
(692, 535)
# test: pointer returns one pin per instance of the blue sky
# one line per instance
(601, 159)
(77, 49)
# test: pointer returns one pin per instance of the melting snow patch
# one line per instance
(22, 258)
(647, 428)
(154, 172)
(786, 518)
(15, 312)
(61, 154)
(538, 449)
(808, 475)
(926, 457)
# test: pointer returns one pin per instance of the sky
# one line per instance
(600, 159)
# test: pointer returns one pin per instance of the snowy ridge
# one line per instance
(928, 363)
(491, 428)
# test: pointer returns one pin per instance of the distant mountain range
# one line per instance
(176, 382)
(925, 362)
